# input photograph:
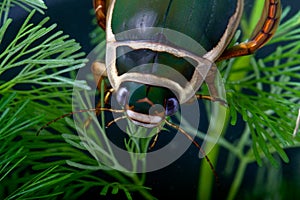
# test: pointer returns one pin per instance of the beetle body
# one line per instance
(143, 64)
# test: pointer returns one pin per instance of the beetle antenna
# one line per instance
(198, 146)
(76, 112)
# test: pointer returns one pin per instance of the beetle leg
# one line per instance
(264, 31)
(99, 72)
(210, 80)
(100, 10)
(116, 120)
(210, 98)
(154, 141)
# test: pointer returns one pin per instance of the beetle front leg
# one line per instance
(99, 72)
(210, 80)
(264, 31)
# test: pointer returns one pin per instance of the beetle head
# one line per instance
(146, 105)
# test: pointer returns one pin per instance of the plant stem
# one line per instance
(237, 179)
(206, 177)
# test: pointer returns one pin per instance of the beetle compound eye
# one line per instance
(122, 96)
(172, 106)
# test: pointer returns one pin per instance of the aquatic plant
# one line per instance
(37, 71)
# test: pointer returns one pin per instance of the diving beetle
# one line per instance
(145, 44)
(197, 19)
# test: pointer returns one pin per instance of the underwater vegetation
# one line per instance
(255, 157)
